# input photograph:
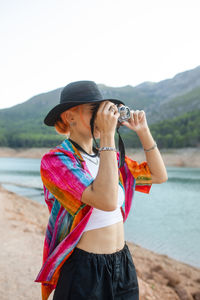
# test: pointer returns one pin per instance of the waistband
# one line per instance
(106, 255)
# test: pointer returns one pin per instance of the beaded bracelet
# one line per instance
(153, 147)
(107, 149)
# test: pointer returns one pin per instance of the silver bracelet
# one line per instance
(107, 149)
(153, 147)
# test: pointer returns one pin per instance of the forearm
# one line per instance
(153, 157)
(106, 181)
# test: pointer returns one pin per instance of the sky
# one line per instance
(46, 44)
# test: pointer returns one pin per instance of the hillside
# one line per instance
(22, 125)
(182, 131)
(154, 97)
(177, 106)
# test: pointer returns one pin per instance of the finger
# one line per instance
(124, 123)
(135, 117)
(132, 115)
(101, 106)
(140, 115)
(110, 107)
(114, 109)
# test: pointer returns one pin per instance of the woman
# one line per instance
(89, 197)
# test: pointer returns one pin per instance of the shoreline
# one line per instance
(159, 276)
(184, 157)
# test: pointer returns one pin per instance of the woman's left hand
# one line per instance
(137, 122)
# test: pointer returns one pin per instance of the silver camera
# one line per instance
(125, 113)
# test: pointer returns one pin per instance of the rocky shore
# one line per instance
(185, 157)
(22, 228)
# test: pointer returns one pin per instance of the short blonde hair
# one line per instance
(62, 125)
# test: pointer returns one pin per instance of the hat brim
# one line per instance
(55, 112)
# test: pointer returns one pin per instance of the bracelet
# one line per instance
(153, 147)
(107, 149)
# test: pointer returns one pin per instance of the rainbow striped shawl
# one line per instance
(65, 176)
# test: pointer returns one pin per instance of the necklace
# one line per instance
(87, 155)
(96, 161)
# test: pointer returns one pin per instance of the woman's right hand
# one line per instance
(107, 117)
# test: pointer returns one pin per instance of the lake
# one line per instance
(166, 221)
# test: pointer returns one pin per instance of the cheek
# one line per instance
(84, 121)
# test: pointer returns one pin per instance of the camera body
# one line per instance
(125, 113)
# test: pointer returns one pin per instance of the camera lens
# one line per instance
(124, 113)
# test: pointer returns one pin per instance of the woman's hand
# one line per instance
(137, 122)
(107, 117)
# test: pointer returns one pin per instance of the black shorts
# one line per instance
(91, 276)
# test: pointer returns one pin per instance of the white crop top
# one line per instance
(100, 218)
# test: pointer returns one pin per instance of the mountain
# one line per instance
(156, 98)
(170, 88)
(22, 124)
(177, 106)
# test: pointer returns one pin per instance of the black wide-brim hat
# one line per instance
(76, 93)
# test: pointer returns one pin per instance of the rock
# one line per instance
(196, 295)
(186, 273)
(183, 293)
(172, 277)
(156, 268)
(146, 292)
(147, 276)
(158, 278)
(27, 229)
(197, 280)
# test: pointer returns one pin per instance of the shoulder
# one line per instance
(57, 154)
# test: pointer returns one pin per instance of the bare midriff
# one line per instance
(103, 240)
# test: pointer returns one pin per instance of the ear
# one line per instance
(68, 116)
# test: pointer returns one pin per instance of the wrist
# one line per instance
(107, 140)
(143, 131)
(146, 139)
(151, 148)
(107, 133)
(107, 149)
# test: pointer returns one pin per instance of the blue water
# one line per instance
(166, 221)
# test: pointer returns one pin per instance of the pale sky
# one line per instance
(45, 44)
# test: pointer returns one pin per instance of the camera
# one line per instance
(125, 113)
